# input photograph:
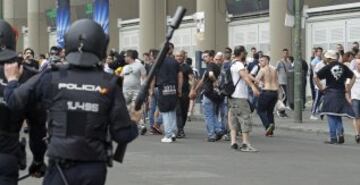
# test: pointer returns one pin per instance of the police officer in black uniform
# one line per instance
(84, 104)
(12, 153)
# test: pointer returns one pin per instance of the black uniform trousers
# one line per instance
(266, 105)
(9, 172)
(181, 111)
(79, 173)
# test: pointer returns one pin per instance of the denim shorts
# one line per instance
(356, 107)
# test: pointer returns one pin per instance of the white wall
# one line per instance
(52, 39)
(183, 38)
(250, 33)
(328, 31)
(328, 34)
(26, 41)
(129, 38)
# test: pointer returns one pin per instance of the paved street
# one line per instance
(315, 126)
(295, 158)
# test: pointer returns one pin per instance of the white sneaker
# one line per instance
(247, 148)
(166, 140)
(312, 117)
(278, 113)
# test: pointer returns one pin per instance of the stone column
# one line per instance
(1, 9)
(8, 11)
(115, 8)
(152, 24)
(280, 36)
(34, 24)
(16, 18)
(216, 28)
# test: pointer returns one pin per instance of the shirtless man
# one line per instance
(268, 78)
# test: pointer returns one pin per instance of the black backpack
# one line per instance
(228, 86)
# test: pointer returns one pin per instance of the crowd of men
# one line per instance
(335, 89)
(258, 86)
(234, 86)
(177, 86)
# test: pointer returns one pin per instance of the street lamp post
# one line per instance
(298, 104)
(1, 9)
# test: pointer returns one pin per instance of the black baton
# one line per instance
(175, 23)
(24, 177)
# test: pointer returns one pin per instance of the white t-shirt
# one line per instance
(132, 76)
(317, 68)
(241, 90)
(355, 90)
(249, 60)
(352, 65)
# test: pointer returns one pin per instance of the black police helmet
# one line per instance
(7, 42)
(85, 43)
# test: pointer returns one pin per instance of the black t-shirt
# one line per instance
(208, 83)
(167, 73)
(148, 68)
(31, 63)
(187, 70)
(305, 68)
(252, 64)
(335, 74)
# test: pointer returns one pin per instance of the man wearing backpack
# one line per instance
(226, 65)
(211, 98)
(222, 107)
(239, 108)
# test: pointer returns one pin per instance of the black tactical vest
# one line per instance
(78, 115)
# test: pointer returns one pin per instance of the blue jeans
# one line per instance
(356, 107)
(223, 115)
(153, 106)
(213, 125)
(335, 126)
(252, 100)
(169, 121)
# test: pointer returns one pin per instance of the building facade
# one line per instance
(215, 24)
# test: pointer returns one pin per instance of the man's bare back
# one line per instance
(269, 78)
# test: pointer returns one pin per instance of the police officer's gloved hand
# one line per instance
(37, 169)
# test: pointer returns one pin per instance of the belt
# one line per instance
(272, 91)
(63, 163)
(5, 133)
(67, 163)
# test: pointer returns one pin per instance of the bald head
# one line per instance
(180, 56)
(219, 58)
